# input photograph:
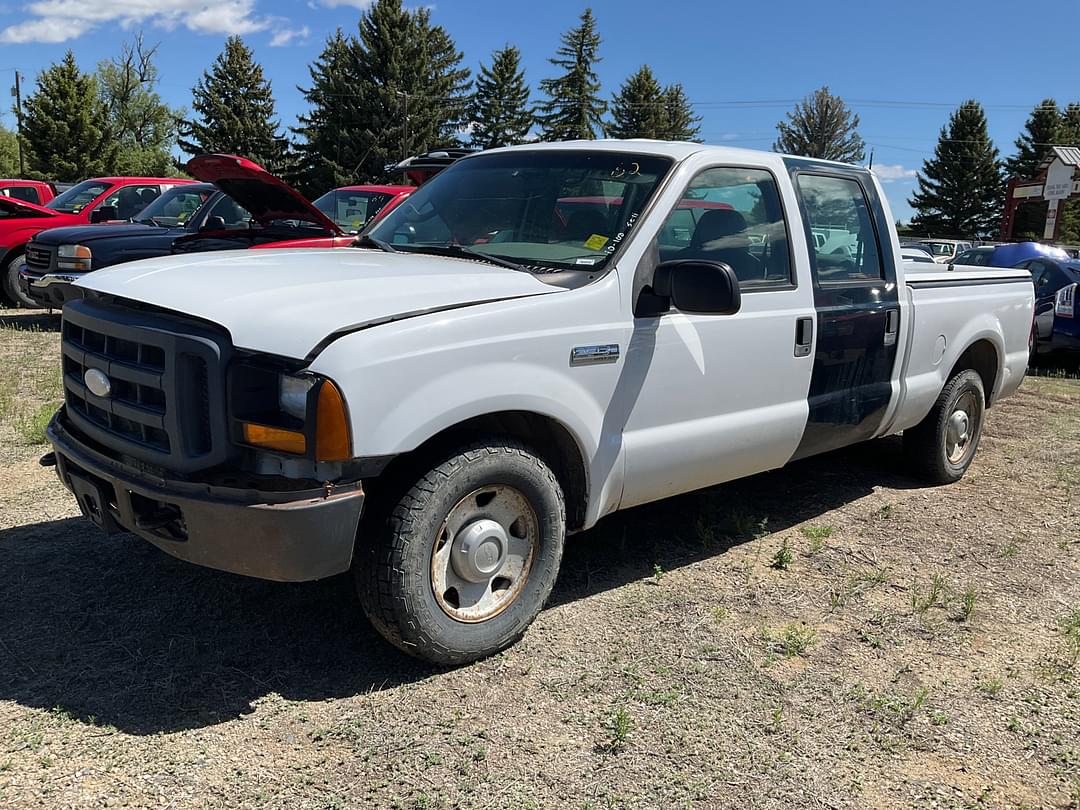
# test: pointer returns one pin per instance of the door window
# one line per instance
(25, 193)
(130, 200)
(234, 217)
(732, 216)
(837, 207)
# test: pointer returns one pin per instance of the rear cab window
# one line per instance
(837, 208)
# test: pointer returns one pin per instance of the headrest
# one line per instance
(717, 224)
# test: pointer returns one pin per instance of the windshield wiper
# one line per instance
(462, 252)
(371, 242)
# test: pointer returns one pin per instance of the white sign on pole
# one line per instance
(1059, 181)
(1051, 219)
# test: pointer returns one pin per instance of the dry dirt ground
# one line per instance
(829, 635)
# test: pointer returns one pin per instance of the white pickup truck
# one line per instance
(538, 337)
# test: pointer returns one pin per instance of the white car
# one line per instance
(522, 347)
(910, 253)
(945, 251)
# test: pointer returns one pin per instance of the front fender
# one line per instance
(406, 382)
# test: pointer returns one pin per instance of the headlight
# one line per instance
(73, 257)
(293, 395)
(323, 430)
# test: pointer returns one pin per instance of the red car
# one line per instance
(102, 199)
(37, 192)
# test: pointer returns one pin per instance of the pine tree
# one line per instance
(65, 129)
(638, 110)
(411, 94)
(1069, 230)
(681, 124)
(142, 125)
(1042, 131)
(960, 189)
(574, 108)
(500, 111)
(821, 126)
(235, 108)
(1070, 125)
(9, 153)
(328, 154)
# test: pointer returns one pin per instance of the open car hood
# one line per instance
(10, 207)
(264, 196)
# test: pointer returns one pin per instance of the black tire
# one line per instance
(11, 284)
(395, 568)
(1033, 347)
(926, 445)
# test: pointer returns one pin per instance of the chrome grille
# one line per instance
(38, 259)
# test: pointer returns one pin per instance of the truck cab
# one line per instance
(486, 371)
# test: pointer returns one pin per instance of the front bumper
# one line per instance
(48, 289)
(292, 536)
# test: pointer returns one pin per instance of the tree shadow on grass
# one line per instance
(30, 320)
(117, 631)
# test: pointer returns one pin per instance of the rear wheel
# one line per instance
(943, 445)
(11, 284)
(468, 555)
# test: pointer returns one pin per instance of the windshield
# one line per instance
(176, 206)
(544, 210)
(76, 198)
(350, 209)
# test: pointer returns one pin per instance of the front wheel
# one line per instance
(11, 287)
(942, 446)
(468, 556)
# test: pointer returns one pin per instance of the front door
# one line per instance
(719, 397)
(857, 302)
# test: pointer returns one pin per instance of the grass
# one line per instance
(791, 640)
(967, 603)
(31, 425)
(1070, 629)
(934, 595)
(991, 687)
(816, 535)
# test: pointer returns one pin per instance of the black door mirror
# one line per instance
(213, 224)
(104, 213)
(696, 285)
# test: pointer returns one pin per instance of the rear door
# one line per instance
(857, 303)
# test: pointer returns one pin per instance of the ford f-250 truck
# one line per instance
(437, 408)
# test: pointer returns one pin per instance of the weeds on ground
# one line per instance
(991, 687)
(967, 603)
(619, 727)
(935, 595)
(1070, 628)
(817, 535)
(793, 639)
(784, 556)
(31, 426)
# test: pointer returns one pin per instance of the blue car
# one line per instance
(1057, 325)
(1009, 255)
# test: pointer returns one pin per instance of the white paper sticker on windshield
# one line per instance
(585, 261)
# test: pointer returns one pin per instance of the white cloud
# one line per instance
(60, 20)
(286, 36)
(889, 172)
(46, 29)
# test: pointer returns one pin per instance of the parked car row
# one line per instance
(232, 204)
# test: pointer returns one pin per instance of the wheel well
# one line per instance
(548, 437)
(982, 358)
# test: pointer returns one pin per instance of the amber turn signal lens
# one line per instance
(331, 425)
(272, 438)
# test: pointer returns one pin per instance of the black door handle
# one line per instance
(892, 326)
(804, 336)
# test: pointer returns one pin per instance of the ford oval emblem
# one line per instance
(97, 383)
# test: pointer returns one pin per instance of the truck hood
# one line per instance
(88, 234)
(292, 302)
(10, 207)
(266, 197)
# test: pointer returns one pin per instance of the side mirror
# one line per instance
(104, 213)
(695, 285)
(213, 224)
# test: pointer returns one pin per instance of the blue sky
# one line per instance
(902, 68)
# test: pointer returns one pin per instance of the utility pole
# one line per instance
(405, 127)
(18, 123)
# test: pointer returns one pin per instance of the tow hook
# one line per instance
(48, 460)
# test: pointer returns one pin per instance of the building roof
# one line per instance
(1069, 155)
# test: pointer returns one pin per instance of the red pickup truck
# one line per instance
(102, 199)
(32, 191)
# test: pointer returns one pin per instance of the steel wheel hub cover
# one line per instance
(479, 550)
(483, 552)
